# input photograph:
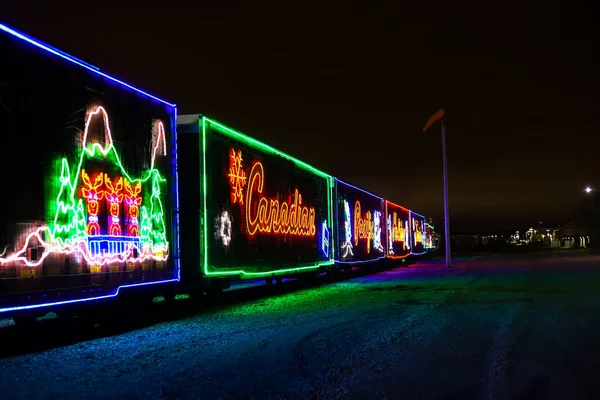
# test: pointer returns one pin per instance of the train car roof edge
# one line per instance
(258, 144)
(74, 60)
(359, 188)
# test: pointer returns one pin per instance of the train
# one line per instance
(108, 193)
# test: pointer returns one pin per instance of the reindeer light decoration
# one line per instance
(133, 201)
(92, 194)
(114, 198)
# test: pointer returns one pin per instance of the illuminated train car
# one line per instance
(89, 183)
(360, 219)
(247, 209)
(431, 240)
(399, 237)
(418, 235)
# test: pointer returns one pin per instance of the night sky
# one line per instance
(348, 88)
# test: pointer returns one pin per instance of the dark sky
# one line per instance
(347, 86)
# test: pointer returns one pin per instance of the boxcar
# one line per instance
(88, 181)
(248, 210)
(399, 231)
(430, 238)
(361, 234)
(418, 234)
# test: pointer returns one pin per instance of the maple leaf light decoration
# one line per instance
(237, 176)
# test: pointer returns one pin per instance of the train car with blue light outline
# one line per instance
(361, 228)
(89, 182)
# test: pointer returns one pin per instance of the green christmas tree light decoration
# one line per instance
(69, 219)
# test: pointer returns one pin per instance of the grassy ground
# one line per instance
(495, 327)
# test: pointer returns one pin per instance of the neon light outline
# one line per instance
(363, 226)
(128, 242)
(175, 172)
(76, 241)
(407, 239)
(325, 239)
(269, 214)
(411, 232)
(133, 202)
(360, 262)
(114, 198)
(430, 237)
(224, 228)
(359, 189)
(109, 149)
(264, 147)
(377, 234)
(390, 243)
(75, 246)
(92, 197)
(347, 245)
(108, 296)
(237, 177)
(66, 250)
(336, 181)
(409, 245)
(398, 231)
(74, 60)
(161, 133)
(96, 70)
(268, 149)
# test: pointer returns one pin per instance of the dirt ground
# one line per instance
(497, 327)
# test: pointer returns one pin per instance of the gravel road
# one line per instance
(501, 327)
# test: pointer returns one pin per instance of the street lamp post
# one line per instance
(438, 116)
(589, 191)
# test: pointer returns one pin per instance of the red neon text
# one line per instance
(237, 177)
(418, 233)
(398, 231)
(363, 227)
(269, 216)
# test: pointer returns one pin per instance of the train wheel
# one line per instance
(197, 296)
(65, 315)
(332, 274)
(25, 320)
(169, 297)
(213, 292)
(309, 278)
